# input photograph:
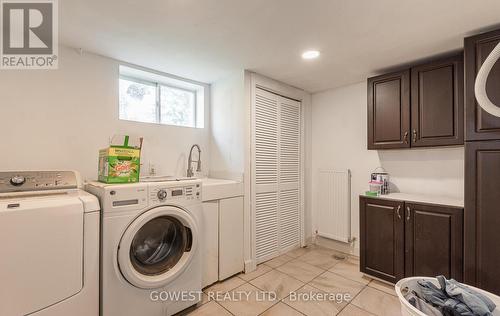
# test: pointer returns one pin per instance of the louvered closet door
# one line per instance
(289, 174)
(276, 174)
(265, 184)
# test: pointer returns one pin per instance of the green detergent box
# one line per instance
(121, 161)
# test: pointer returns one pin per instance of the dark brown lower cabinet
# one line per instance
(382, 238)
(433, 241)
(401, 239)
(482, 215)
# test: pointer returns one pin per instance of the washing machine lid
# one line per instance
(157, 246)
(42, 252)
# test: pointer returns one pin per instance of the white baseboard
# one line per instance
(250, 265)
(309, 241)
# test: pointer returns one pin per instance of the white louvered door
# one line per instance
(276, 174)
(289, 173)
(265, 171)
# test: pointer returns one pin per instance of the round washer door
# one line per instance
(157, 247)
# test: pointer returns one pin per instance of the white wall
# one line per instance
(228, 121)
(339, 141)
(59, 119)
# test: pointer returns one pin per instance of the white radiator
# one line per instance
(334, 205)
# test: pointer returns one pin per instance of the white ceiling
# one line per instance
(206, 40)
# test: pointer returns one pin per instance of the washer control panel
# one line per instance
(26, 181)
(161, 194)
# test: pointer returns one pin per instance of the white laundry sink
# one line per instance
(216, 189)
(164, 178)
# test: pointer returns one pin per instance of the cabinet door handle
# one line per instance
(405, 137)
(408, 212)
(414, 136)
(397, 211)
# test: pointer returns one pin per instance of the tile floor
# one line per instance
(306, 271)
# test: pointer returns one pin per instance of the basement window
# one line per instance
(160, 99)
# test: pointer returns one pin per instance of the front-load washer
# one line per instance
(49, 228)
(150, 252)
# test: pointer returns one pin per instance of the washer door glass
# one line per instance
(159, 245)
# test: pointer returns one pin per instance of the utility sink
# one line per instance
(164, 178)
(216, 189)
(213, 189)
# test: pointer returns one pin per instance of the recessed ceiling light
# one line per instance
(310, 54)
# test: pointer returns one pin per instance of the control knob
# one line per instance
(162, 194)
(17, 180)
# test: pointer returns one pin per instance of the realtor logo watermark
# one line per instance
(29, 34)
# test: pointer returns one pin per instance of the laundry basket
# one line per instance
(407, 309)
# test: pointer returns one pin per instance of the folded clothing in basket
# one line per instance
(450, 298)
(422, 305)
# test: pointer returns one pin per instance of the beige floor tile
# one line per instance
(225, 285)
(210, 309)
(252, 305)
(281, 309)
(341, 256)
(378, 302)
(298, 252)
(277, 282)
(320, 257)
(314, 246)
(261, 269)
(352, 310)
(311, 301)
(278, 261)
(350, 269)
(327, 250)
(333, 283)
(204, 299)
(300, 270)
(382, 286)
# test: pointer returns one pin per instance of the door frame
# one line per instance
(252, 82)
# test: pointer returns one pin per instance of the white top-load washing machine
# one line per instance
(49, 261)
(150, 251)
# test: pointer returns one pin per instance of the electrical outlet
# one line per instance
(152, 169)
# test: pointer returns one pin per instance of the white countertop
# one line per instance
(212, 181)
(216, 189)
(419, 198)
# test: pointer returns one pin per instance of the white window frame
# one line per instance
(157, 80)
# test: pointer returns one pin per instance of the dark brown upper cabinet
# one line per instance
(382, 238)
(482, 215)
(433, 241)
(481, 125)
(431, 115)
(437, 113)
(389, 111)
